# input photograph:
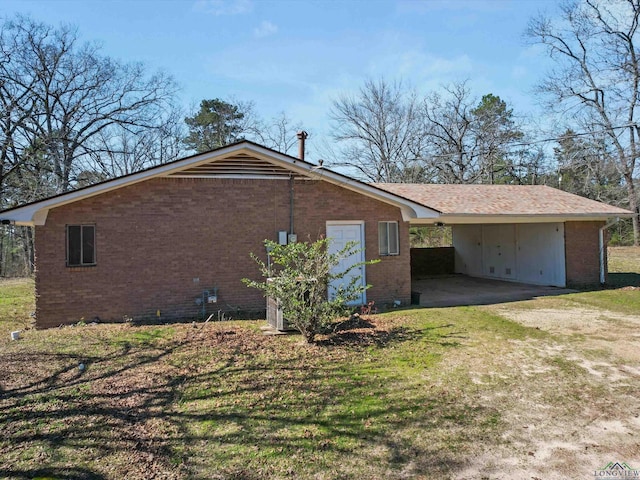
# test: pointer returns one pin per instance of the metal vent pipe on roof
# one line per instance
(302, 136)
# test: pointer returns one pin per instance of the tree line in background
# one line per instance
(71, 116)
(389, 133)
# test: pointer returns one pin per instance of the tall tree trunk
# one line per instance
(2, 233)
(633, 206)
(27, 250)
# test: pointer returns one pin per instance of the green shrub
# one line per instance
(299, 274)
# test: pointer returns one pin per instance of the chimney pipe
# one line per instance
(302, 136)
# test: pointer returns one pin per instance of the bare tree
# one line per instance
(62, 107)
(62, 95)
(17, 107)
(279, 133)
(379, 132)
(391, 135)
(597, 75)
(120, 151)
(454, 149)
(471, 141)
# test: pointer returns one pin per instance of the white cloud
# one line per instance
(435, 66)
(427, 7)
(424, 68)
(533, 52)
(224, 7)
(265, 29)
(518, 72)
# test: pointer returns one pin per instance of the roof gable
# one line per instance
(243, 159)
(242, 164)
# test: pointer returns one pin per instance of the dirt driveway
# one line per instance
(574, 402)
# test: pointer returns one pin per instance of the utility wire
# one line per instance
(518, 144)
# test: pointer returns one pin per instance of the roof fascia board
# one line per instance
(489, 219)
(410, 210)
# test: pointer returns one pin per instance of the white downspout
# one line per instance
(602, 251)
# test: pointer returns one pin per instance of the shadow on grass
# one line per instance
(228, 406)
(620, 280)
(362, 333)
(221, 315)
(51, 473)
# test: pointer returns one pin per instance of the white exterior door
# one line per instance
(341, 233)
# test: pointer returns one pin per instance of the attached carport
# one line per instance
(529, 234)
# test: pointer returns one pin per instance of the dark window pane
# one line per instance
(74, 247)
(383, 238)
(88, 244)
(393, 238)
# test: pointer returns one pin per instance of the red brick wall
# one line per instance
(582, 253)
(154, 239)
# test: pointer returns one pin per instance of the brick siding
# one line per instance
(582, 253)
(161, 242)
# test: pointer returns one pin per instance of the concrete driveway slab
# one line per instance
(457, 290)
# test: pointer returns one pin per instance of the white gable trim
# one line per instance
(36, 213)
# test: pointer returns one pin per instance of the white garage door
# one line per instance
(528, 253)
(541, 254)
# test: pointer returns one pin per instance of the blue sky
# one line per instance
(297, 56)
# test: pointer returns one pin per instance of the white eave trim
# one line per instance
(458, 219)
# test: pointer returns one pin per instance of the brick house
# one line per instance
(158, 242)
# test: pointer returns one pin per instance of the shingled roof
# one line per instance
(499, 200)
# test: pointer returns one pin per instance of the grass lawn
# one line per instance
(494, 392)
(623, 266)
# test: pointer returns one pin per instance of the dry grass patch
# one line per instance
(624, 259)
(573, 401)
(624, 267)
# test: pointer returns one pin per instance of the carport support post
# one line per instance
(602, 251)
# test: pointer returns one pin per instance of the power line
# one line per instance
(514, 144)
(572, 135)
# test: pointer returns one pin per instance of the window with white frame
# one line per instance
(388, 238)
(81, 245)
